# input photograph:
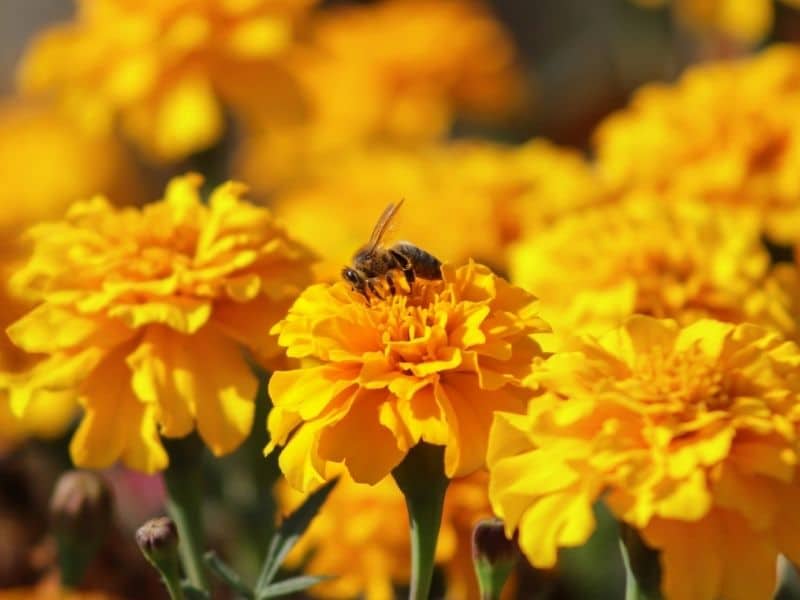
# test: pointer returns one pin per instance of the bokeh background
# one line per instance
(580, 60)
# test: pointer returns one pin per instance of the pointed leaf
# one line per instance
(227, 574)
(291, 586)
(289, 533)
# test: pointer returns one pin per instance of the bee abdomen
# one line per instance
(424, 264)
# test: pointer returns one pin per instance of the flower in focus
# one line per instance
(593, 269)
(430, 365)
(690, 435)
(164, 68)
(141, 313)
(748, 22)
(726, 134)
(361, 538)
(45, 163)
(396, 71)
(474, 198)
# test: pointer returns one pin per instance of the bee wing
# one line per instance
(383, 224)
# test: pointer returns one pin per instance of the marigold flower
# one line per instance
(725, 134)
(396, 71)
(593, 269)
(141, 312)
(472, 198)
(431, 365)
(45, 163)
(361, 537)
(164, 68)
(689, 434)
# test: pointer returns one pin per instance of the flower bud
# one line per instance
(81, 510)
(494, 557)
(158, 539)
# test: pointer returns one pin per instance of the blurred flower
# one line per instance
(465, 199)
(45, 163)
(748, 22)
(726, 133)
(689, 435)
(398, 71)
(141, 313)
(164, 68)
(593, 269)
(361, 538)
(50, 590)
(431, 365)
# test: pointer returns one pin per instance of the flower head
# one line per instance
(396, 71)
(689, 434)
(163, 68)
(725, 134)
(141, 312)
(430, 365)
(361, 537)
(594, 268)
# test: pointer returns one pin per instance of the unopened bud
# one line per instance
(494, 557)
(81, 510)
(158, 538)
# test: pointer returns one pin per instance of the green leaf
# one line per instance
(227, 574)
(289, 533)
(291, 586)
(192, 593)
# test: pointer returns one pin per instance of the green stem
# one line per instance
(74, 557)
(172, 581)
(642, 570)
(422, 480)
(184, 482)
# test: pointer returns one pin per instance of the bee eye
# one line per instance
(350, 275)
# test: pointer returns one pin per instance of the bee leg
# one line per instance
(373, 289)
(405, 266)
(390, 281)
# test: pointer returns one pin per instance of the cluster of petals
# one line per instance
(140, 315)
(594, 268)
(487, 194)
(164, 68)
(379, 377)
(689, 435)
(396, 71)
(726, 133)
(360, 537)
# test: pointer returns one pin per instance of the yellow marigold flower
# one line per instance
(726, 133)
(396, 71)
(164, 68)
(431, 365)
(689, 434)
(141, 313)
(470, 199)
(747, 22)
(45, 163)
(593, 269)
(361, 538)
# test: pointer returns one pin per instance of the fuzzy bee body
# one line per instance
(374, 262)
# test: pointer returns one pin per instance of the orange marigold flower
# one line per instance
(396, 71)
(361, 538)
(430, 365)
(488, 195)
(726, 134)
(593, 269)
(141, 312)
(690, 435)
(163, 68)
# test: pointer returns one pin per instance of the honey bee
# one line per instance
(374, 261)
